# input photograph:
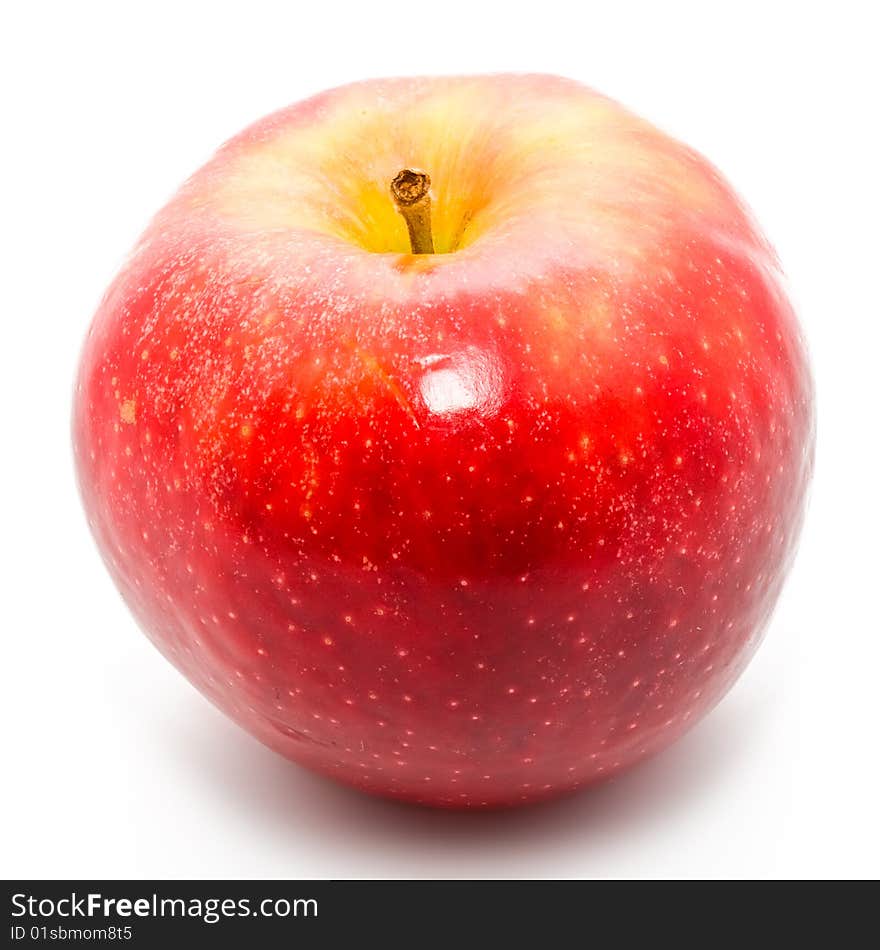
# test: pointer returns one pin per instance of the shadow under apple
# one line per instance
(357, 835)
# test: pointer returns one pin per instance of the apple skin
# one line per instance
(468, 529)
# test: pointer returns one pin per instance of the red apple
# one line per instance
(467, 528)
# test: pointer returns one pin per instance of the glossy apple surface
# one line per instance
(470, 528)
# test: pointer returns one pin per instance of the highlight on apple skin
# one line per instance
(467, 528)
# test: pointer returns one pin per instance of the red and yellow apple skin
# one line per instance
(467, 529)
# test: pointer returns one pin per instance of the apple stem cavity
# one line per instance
(411, 191)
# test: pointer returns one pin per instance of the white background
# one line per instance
(114, 766)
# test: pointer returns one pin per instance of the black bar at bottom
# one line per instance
(393, 913)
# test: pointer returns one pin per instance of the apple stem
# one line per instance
(411, 192)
